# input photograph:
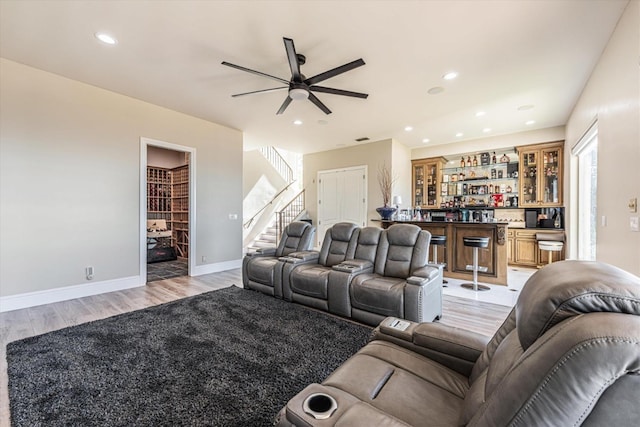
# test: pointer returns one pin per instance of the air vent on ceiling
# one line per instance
(364, 138)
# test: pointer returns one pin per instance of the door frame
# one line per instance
(144, 144)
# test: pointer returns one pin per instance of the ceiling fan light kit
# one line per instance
(299, 86)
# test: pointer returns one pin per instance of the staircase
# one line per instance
(269, 237)
(266, 239)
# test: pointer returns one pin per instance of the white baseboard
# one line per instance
(199, 270)
(32, 299)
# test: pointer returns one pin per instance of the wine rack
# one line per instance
(168, 199)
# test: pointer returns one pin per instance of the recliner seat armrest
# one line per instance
(353, 266)
(457, 342)
(455, 348)
(427, 273)
(263, 252)
(305, 255)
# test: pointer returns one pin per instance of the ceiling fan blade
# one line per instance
(284, 105)
(259, 73)
(260, 91)
(318, 103)
(334, 72)
(293, 59)
(338, 91)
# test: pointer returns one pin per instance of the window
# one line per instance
(586, 152)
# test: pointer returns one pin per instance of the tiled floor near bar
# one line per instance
(502, 295)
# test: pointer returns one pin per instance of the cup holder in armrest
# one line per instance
(320, 406)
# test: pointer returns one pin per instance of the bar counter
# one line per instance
(457, 256)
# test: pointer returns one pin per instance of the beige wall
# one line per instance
(612, 96)
(372, 155)
(493, 143)
(69, 180)
(401, 161)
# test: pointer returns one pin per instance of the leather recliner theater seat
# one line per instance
(567, 355)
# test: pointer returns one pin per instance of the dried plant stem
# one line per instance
(386, 183)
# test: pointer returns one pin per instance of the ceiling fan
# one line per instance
(299, 86)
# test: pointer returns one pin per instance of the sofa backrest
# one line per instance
(568, 353)
(339, 244)
(368, 240)
(403, 248)
(297, 236)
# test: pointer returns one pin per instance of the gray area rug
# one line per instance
(231, 357)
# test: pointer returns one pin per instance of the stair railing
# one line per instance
(247, 224)
(278, 162)
(289, 213)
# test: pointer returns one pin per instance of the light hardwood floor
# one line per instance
(468, 314)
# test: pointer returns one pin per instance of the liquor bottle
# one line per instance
(557, 219)
(490, 188)
(475, 161)
(468, 161)
(462, 162)
(494, 159)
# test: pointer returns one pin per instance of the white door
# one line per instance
(342, 197)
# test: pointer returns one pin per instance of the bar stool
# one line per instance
(475, 243)
(551, 242)
(438, 240)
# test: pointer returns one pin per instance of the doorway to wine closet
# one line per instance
(167, 226)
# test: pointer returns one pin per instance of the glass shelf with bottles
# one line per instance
(492, 170)
(465, 194)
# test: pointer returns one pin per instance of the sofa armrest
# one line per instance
(305, 255)
(424, 275)
(302, 257)
(455, 348)
(457, 342)
(353, 266)
(263, 252)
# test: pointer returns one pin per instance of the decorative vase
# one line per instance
(386, 212)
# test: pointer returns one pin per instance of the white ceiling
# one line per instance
(507, 54)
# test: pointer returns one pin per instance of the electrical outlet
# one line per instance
(204, 258)
(233, 216)
(89, 273)
(634, 223)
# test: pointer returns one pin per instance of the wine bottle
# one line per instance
(462, 162)
(468, 161)
(475, 161)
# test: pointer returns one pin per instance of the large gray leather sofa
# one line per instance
(362, 273)
(567, 355)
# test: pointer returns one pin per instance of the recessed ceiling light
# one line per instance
(297, 122)
(459, 134)
(435, 90)
(480, 113)
(529, 122)
(106, 38)
(408, 128)
(485, 130)
(450, 75)
(525, 107)
(426, 140)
